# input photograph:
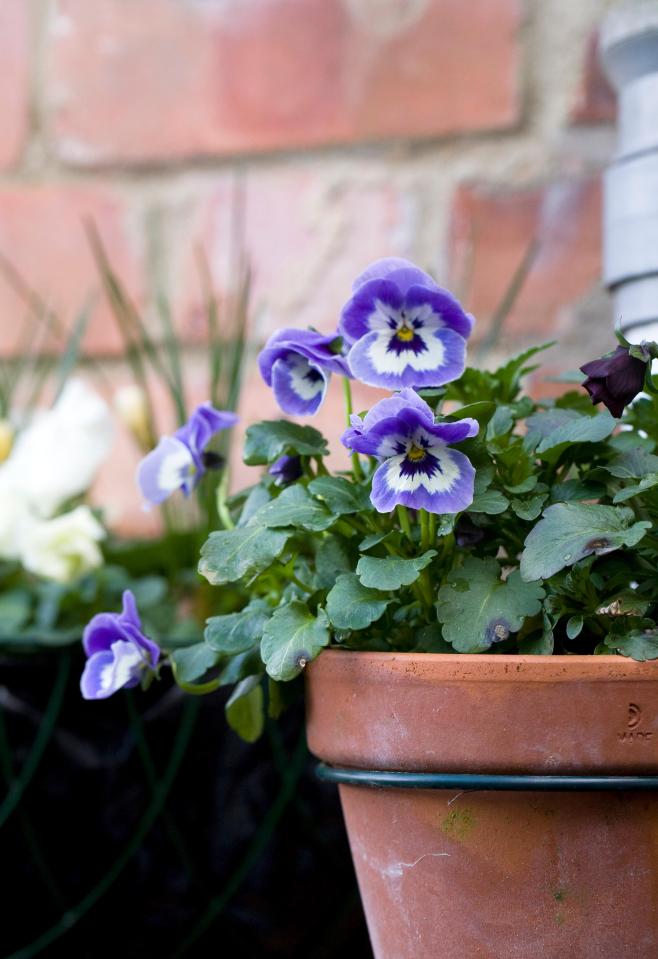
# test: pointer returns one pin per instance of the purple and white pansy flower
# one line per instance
(297, 364)
(418, 467)
(179, 461)
(402, 330)
(119, 654)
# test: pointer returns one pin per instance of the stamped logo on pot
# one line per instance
(633, 719)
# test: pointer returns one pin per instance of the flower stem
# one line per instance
(347, 392)
(222, 507)
(424, 518)
(432, 528)
(403, 519)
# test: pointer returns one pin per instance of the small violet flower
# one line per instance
(119, 654)
(179, 461)
(286, 470)
(418, 468)
(297, 364)
(616, 379)
(401, 329)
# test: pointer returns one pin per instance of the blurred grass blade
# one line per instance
(69, 358)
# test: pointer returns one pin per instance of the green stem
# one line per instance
(432, 528)
(404, 521)
(222, 508)
(356, 463)
(424, 519)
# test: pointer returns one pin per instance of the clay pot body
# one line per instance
(496, 875)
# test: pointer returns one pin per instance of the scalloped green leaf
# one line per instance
(294, 507)
(267, 441)
(341, 496)
(292, 638)
(235, 633)
(230, 554)
(477, 608)
(392, 572)
(351, 605)
(570, 531)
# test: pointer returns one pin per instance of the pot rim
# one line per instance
(487, 666)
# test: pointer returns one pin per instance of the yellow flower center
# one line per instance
(416, 454)
(405, 333)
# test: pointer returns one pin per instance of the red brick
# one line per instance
(308, 231)
(596, 101)
(42, 235)
(491, 231)
(165, 79)
(14, 79)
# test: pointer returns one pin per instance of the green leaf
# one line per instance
(257, 497)
(478, 609)
(557, 429)
(294, 507)
(331, 560)
(192, 662)
(237, 632)
(351, 605)
(570, 531)
(245, 713)
(240, 667)
(574, 626)
(574, 489)
(341, 495)
(392, 572)
(491, 501)
(543, 645)
(228, 555)
(500, 423)
(481, 411)
(634, 463)
(530, 508)
(267, 441)
(639, 644)
(646, 483)
(291, 639)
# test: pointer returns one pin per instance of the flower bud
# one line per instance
(6, 439)
(615, 380)
(131, 405)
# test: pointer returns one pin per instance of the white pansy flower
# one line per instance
(63, 548)
(57, 456)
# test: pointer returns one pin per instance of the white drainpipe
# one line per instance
(629, 53)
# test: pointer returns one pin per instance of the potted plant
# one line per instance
(470, 598)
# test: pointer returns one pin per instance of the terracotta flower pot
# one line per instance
(459, 874)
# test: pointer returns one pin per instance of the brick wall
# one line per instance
(458, 134)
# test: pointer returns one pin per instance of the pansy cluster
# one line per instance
(443, 530)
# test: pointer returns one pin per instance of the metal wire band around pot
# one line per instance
(465, 781)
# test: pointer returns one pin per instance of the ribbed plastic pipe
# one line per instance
(629, 54)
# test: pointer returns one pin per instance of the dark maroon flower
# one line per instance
(615, 380)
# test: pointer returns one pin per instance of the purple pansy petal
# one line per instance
(438, 308)
(431, 359)
(376, 305)
(441, 483)
(299, 386)
(106, 672)
(457, 431)
(286, 469)
(394, 405)
(313, 346)
(202, 425)
(105, 628)
(401, 272)
(170, 466)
